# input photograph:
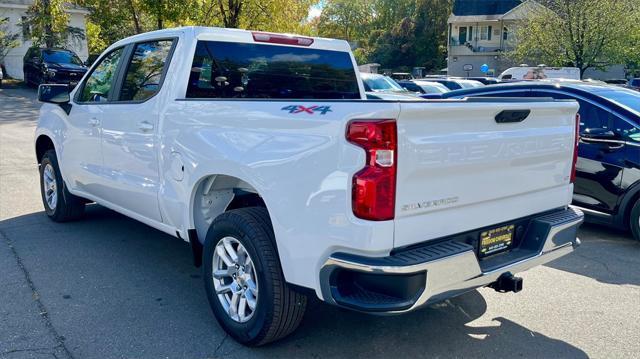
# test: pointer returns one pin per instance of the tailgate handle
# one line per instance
(512, 116)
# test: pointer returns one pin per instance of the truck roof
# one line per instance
(232, 35)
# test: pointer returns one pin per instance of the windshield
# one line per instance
(470, 84)
(629, 99)
(433, 87)
(381, 83)
(61, 57)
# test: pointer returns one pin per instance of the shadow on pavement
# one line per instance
(19, 104)
(116, 288)
(606, 255)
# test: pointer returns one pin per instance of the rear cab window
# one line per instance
(145, 71)
(244, 70)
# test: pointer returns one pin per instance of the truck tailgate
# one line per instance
(459, 169)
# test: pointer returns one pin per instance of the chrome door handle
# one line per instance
(94, 122)
(145, 126)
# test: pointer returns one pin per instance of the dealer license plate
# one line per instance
(496, 240)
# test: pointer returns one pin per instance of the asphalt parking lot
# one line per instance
(110, 287)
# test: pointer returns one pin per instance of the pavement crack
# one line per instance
(604, 264)
(224, 339)
(12, 351)
(44, 314)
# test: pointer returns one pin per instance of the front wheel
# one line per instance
(244, 281)
(59, 204)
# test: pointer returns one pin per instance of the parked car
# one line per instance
(617, 81)
(608, 176)
(635, 83)
(540, 72)
(423, 87)
(485, 80)
(381, 87)
(398, 76)
(288, 185)
(393, 96)
(52, 66)
(454, 83)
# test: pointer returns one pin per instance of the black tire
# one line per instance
(27, 79)
(279, 309)
(634, 221)
(68, 206)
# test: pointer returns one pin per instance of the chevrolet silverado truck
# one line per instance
(262, 151)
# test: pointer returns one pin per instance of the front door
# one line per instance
(81, 152)
(130, 131)
(600, 161)
(462, 35)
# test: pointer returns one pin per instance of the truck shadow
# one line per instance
(440, 331)
(606, 255)
(113, 285)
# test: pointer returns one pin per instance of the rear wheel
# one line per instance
(634, 220)
(59, 204)
(244, 281)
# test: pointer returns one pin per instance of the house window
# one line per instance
(505, 33)
(26, 29)
(485, 33)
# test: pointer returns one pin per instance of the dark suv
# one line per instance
(52, 66)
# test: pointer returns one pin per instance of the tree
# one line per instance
(394, 33)
(346, 19)
(8, 40)
(113, 20)
(49, 24)
(163, 11)
(581, 33)
(266, 15)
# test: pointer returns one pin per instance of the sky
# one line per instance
(314, 11)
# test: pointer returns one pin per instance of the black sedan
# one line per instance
(607, 186)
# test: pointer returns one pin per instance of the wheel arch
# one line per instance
(43, 143)
(628, 201)
(215, 194)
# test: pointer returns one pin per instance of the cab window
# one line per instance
(238, 70)
(145, 71)
(100, 83)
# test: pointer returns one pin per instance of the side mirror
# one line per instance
(54, 93)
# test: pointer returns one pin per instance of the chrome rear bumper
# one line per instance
(430, 273)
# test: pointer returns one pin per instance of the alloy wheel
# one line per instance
(235, 280)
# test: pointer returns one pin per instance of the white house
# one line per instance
(481, 31)
(15, 11)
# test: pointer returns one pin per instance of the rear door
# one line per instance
(460, 169)
(130, 128)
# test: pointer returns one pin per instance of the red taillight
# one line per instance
(281, 39)
(575, 150)
(374, 187)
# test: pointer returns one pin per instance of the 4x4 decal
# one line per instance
(308, 110)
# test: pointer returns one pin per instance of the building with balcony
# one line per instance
(481, 31)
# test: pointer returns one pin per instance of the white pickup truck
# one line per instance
(262, 151)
